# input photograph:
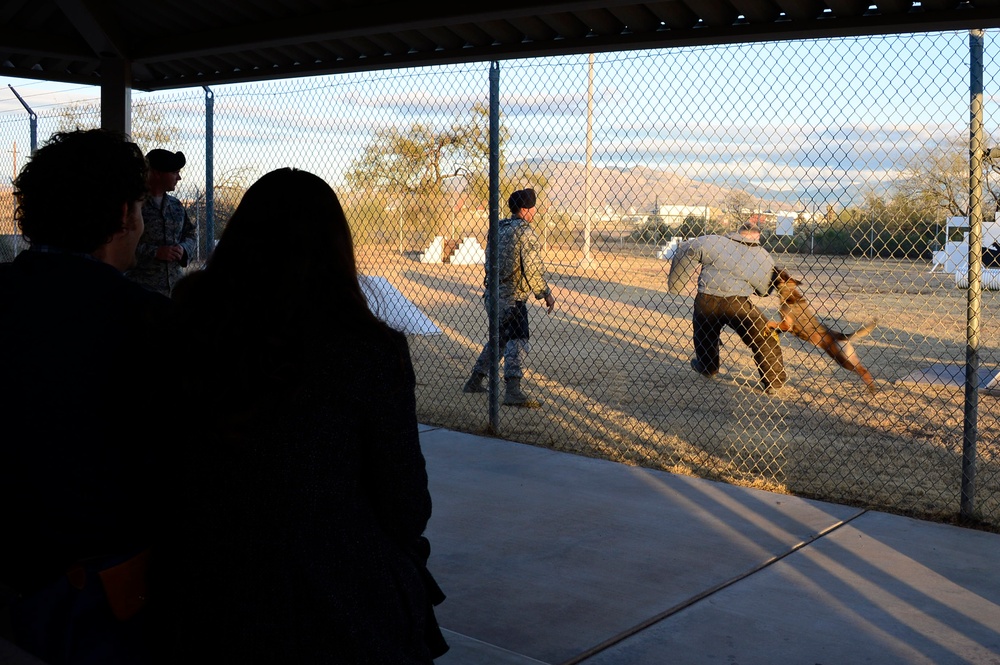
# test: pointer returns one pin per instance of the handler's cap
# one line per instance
(522, 198)
(164, 160)
(750, 225)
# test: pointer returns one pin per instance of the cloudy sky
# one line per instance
(806, 123)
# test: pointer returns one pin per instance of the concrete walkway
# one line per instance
(552, 558)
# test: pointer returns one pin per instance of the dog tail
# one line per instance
(860, 332)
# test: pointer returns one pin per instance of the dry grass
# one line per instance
(611, 366)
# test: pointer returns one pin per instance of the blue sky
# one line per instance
(810, 122)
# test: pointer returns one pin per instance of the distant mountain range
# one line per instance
(636, 189)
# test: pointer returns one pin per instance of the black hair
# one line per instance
(70, 194)
(273, 304)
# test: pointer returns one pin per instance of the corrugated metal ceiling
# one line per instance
(182, 43)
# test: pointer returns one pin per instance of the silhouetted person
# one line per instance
(76, 448)
(302, 495)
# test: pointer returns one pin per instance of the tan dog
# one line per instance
(799, 318)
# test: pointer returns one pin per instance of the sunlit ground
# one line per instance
(610, 365)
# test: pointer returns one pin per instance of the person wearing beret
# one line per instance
(522, 274)
(169, 241)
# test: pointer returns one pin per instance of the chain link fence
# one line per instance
(852, 155)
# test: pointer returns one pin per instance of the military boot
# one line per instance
(475, 383)
(514, 396)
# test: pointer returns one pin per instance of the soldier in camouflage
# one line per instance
(169, 241)
(521, 273)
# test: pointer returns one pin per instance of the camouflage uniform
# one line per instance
(522, 273)
(166, 224)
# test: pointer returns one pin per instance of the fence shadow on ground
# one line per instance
(610, 365)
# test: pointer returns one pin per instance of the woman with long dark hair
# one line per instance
(302, 496)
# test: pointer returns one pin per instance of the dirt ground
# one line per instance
(610, 365)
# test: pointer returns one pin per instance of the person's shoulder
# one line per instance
(523, 228)
(384, 343)
(374, 357)
(191, 283)
(702, 241)
(7, 271)
(172, 203)
(382, 338)
(153, 303)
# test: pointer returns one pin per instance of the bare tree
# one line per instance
(936, 180)
(149, 129)
(738, 206)
(416, 159)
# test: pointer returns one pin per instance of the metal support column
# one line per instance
(588, 260)
(492, 252)
(209, 171)
(970, 432)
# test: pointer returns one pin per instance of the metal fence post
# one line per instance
(32, 119)
(209, 172)
(976, 151)
(588, 260)
(492, 257)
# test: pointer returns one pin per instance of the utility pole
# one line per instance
(588, 260)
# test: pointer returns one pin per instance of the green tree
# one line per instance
(415, 160)
(897, 224)
(408, 169)
(693, 226)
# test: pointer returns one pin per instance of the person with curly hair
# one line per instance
(76, 456)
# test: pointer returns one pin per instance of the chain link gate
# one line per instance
(852, 155)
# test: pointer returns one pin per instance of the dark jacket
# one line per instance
(75, 455)
(300, 521)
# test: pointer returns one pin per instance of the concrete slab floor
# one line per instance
(468, 651)
(549, 555)
(883, 589)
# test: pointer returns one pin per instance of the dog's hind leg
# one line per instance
(866, 376)
(848, 358)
